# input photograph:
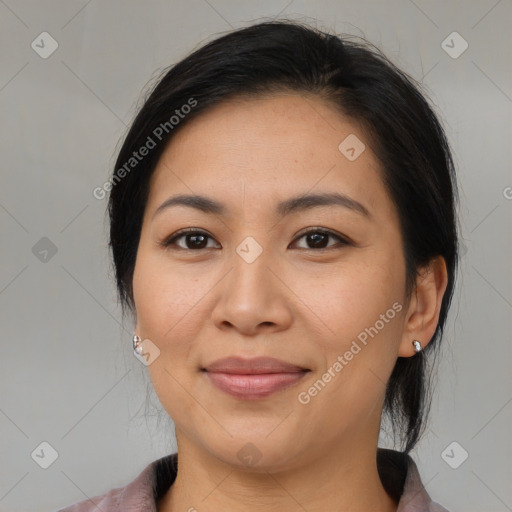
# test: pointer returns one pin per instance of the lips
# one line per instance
(251, 379)
(257, 365)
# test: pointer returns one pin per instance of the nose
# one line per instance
(253, 297)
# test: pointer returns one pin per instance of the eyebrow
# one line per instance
(284, 208)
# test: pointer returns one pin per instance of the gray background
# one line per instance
(67, 373)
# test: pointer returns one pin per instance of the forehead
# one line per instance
(267, 148)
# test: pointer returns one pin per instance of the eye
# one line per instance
(317, 238)
(194, 239)
(197, 239)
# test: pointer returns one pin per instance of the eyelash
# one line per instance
(168, 242)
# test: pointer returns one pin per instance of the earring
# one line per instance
(137, 344)
(417, 346)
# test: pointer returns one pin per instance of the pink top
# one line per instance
(397, 470)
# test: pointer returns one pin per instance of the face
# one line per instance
(317, 284)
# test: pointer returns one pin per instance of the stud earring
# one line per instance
(137, 344)
(417, 346)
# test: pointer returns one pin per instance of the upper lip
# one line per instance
(256, 365)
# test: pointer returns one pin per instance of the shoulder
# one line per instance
(401, 478)
(108, 501)
(139, 494)
(415, 496)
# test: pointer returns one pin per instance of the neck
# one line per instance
(346, 476)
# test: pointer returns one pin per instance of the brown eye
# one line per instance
(319, 239)
(193, 240)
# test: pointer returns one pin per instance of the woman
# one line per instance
(283, 229)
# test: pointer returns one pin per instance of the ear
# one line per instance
(423, 312)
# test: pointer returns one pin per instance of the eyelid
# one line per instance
(342, 239)
(318, 229)
(167, 242)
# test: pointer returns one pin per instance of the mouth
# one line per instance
(252, 379)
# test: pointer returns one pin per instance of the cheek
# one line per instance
(361, 314)
(361, 311)
(166, 303)
(162, 294)
(171, 305)
(352, 298)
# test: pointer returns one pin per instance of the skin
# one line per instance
(295, 302)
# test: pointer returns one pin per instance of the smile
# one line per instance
(253, 386)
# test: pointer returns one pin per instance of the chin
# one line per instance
(256, 452)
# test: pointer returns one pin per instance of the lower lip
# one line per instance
(252, 387)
